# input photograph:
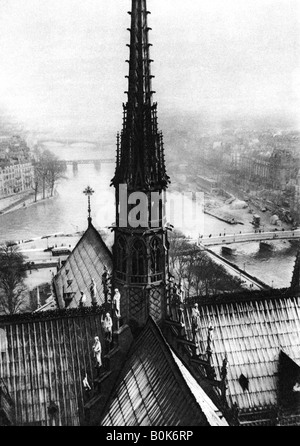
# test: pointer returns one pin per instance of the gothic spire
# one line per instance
(140, 157)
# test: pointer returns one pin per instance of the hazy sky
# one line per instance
(63, 61)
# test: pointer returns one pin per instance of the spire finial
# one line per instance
(89, 192)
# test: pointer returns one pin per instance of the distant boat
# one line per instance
(63, 250)
(227, 250)
(49, 248)
(265, 246)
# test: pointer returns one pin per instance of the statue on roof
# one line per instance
(93, 292)
(107, 327)
(195, 317)
(105, 283)
(97, 352)
(82, 299)
(196, 327)
(116, 303)
(86, 385)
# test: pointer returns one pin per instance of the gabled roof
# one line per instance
(86, 261)
(155, 389)
(252, 334)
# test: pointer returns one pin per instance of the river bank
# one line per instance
(14, 201)
(20, 201)
(236, 211)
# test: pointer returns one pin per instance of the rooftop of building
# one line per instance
(156, 389)
(86, 262)
(250, 330)
(44, 358)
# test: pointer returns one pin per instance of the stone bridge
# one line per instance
(249, 237)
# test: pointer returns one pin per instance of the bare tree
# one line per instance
(179, 246)
(37, 179)
(48, 170)
(199, 274)
(12, 274)
(55, 171)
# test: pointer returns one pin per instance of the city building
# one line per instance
(15, 178)
(137, 353)
(273, 169)
(283, 168)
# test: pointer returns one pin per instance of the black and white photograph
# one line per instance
(149, 215)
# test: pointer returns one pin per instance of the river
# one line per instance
(67, 212)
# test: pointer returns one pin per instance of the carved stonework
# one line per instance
(140, 251)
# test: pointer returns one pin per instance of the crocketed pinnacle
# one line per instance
(140, 149)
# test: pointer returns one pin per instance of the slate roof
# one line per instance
(251, 332)
(43, 358)
(155, 389)
(86, 261)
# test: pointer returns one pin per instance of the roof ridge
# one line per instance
(84, 238)
(245, 296)
(40, 316)
(91, 226)
(171, 357)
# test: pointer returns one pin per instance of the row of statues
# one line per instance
(106, 319)
(107, 325)
(93, 293)
(177, 302)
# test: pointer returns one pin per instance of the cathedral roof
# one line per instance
(155, 389)
(251, 332)
(87, 261)
(44, 357)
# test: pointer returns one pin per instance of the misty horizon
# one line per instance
(63, 64)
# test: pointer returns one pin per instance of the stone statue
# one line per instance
(195, 317)
(82, 300)
(93, 291)
(105, 283)
(107, 327)
(97, 352)
(86, 383)
(116, 302)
